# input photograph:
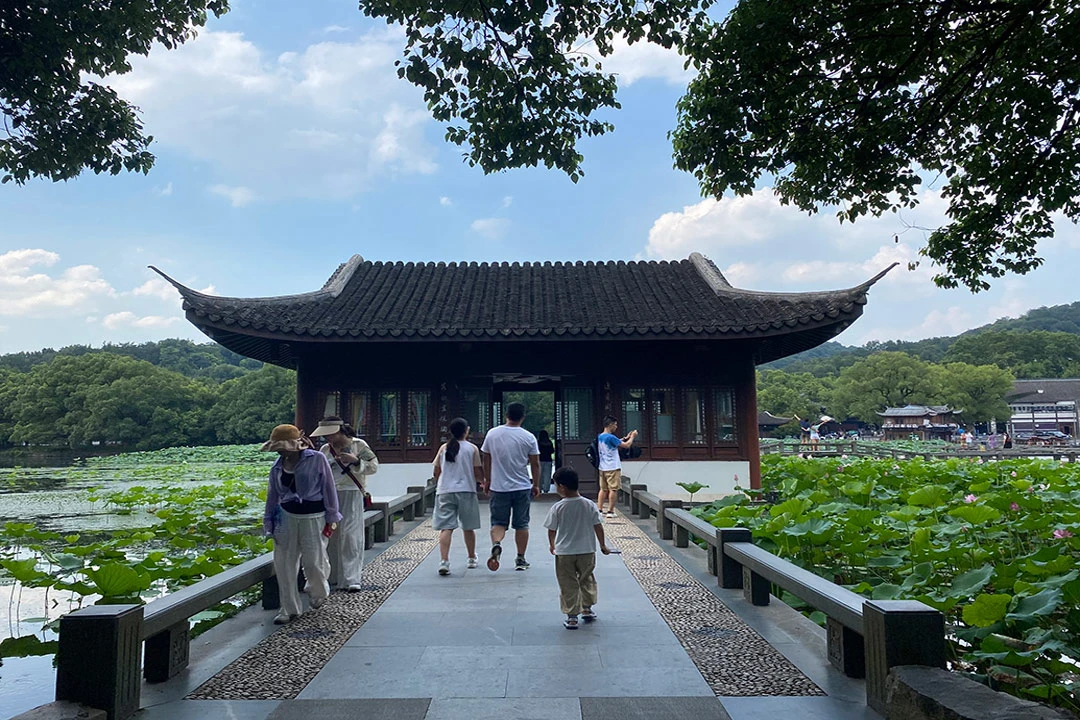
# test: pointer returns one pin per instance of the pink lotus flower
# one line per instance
(1014, 507)
(1013, 473)
(840, 469)
(843, 457)
(1062, 534)
(970, 498)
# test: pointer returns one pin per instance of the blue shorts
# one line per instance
(517, 501)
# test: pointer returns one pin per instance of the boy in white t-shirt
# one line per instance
(574, 526)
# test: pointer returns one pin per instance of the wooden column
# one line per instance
(746, 419)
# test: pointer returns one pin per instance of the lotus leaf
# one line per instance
(975, 514)
(1031, 607)
(971, 582)
(933, 496)
(26, 646)
(115, 580)
(986, 610)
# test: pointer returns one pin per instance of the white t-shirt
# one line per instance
(457, 476)
(573, 520)
(608, 445)
(510, 447)
(368, 465)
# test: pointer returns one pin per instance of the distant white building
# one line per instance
(1044, 405)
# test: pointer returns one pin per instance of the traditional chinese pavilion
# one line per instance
(924, 422)
(667, 347)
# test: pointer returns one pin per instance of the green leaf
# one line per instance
(1034, 606)
(115, 580)
(986, 610)
(975, 514)
(26, 646)
(932, 496)
(971, 582)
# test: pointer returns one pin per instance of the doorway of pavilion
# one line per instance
(566, 412)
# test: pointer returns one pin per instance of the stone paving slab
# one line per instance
(505, 709)
(369, 709)
(652, 708)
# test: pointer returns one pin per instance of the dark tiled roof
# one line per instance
(917, 411)
(1044, 391)
(767, 418)
(379, 301)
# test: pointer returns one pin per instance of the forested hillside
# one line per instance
(1043, 343)
(145, 396)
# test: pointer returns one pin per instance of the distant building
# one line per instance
(1044, 405)
(767, 422)
(926, 422)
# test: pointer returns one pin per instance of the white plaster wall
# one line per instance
(394, 479)
(661, 476)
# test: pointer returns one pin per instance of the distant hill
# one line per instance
(832, 357)
(206, 361)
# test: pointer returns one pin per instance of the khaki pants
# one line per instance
(577, 584)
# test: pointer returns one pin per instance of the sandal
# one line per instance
(493, 561)
(570, 623)
(588, 616)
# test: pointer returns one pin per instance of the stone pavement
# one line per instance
(483, 645)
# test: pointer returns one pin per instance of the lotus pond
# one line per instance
(993, 545)
(117, 529)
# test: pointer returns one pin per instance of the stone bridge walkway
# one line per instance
(478, 645)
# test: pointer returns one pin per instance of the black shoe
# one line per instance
(521, 563)
(493, 561)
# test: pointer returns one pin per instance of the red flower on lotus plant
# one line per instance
(1061, 534)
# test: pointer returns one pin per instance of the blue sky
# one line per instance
(285, 144)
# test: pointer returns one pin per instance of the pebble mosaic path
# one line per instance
(305, 645)
(734, 660)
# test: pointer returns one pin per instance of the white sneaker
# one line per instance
(610, 514)
(356, 588)
(317, 603)
(471, 564)
(282, 618)
(444, 567)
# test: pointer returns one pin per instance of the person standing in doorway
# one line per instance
(352, 461)
(512, 477)
(457, 471)
(547, 452)
(610, 466)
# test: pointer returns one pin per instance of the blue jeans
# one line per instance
(517, 502)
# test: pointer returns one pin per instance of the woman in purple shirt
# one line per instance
(301, 515)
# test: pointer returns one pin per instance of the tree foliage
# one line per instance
(977, 390)
(887, 379)
(790, 394)
(59, 116)
(100, 397)
(1036, 354)
(845, 103)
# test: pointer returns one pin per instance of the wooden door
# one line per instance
(574, 430)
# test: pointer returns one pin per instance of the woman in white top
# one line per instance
(457, 470)
(349, 457)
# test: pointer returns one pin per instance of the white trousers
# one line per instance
(299, 539)
(347, 543)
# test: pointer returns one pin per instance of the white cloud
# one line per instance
(165, 191)
(491, 228)
(507, 201)
(156, 287)
(330, 29)
(321, 122)
(238, 196)
(37, 294)
(126, 318)
(445, 201)
(644, 60)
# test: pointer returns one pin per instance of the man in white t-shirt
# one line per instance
(512, 476)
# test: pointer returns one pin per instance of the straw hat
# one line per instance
(284, 437)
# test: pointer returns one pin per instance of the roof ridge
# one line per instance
(342, 275)
(710, 273)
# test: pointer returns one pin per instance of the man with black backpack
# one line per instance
(609, 463)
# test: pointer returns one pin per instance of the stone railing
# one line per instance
(100, 652)
(865, 638)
